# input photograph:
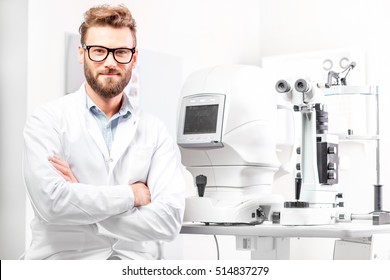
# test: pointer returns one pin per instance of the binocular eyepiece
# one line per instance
(301, 85)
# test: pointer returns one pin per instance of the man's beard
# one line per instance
(110, 88)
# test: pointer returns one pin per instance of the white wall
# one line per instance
(13, 85)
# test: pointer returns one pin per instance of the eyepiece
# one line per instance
(301, 85)
(282, 86)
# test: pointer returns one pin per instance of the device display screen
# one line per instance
(201, 119)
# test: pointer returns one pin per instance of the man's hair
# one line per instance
(106, 15)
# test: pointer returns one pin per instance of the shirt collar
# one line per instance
(126, 108)
(124, 111)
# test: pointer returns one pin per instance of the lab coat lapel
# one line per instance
(123, 137)
(90, 123)
(96, 134)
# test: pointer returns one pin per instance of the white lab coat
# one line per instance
(95, 218)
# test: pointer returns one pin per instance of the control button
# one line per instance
(331, 166)
(331, 175)
(332, 150)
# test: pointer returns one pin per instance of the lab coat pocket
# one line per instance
(139, 163)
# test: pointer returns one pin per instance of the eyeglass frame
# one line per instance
(109, 50)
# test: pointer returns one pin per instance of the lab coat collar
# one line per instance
(124, 134)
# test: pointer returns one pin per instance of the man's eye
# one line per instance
(98, 51)
(122, 52)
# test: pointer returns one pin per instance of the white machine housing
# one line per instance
(321, 198)
(226, 132)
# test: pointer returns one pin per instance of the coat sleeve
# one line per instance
(162, 218)
(54, 200)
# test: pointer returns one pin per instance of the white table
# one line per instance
(357, 240)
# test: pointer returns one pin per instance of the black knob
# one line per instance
(296, 204)
(298, 185)
(201, 182)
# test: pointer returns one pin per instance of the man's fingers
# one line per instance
(59, 161)
(64, 169)
(67, 178)
(59, 167)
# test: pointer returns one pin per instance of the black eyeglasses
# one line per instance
(100, 53)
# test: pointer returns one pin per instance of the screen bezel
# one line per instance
(202, 140)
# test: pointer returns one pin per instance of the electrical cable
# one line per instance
(216, 243)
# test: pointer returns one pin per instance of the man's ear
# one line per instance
(134, 59)
(81, 54)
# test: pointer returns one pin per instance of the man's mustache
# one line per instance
(109, 71)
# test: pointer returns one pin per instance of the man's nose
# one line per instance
(110, 60)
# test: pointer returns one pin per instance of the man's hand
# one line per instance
(63, 168)
(141, 194)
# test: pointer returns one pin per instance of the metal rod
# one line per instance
(361, 216)
(378, 163)
(377, 186)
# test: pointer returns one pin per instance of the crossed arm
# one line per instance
(141, 191)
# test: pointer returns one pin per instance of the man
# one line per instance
(104, 179)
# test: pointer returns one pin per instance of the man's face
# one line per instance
(108, 78)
